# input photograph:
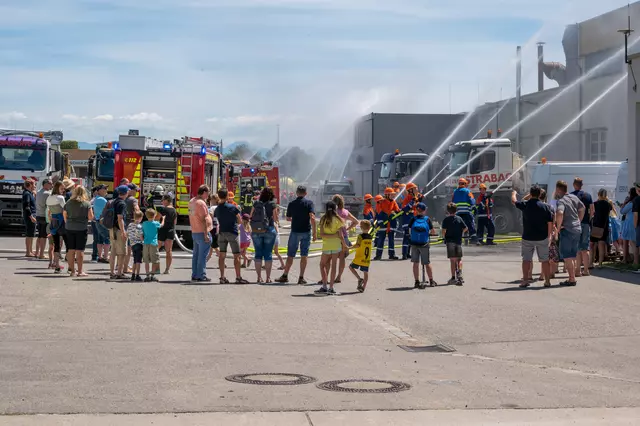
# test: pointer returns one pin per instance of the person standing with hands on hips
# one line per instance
(484, 213)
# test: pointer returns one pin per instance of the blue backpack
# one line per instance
(420, 231)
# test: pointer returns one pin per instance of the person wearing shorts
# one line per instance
(569, 214)
(419, 250)
(454, 228)
(537, 227)
(301, 214)
(167, 232)
(229, 218)
(118, 234)
(77, 215)
(29, 215)
(362, 258)
(41, 217)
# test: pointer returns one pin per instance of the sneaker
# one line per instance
(103, 261)
(377, 258)
(203, 280)
(416, 284)
(432, 283)
(451, 281)
(138, 279)
(405, 257)
(459, 282)
(57, 270)
(153, 279)
(94, 260)
(322, 290)
(302, 281)
(133, 277)
(332, 292)
(283, 279)
(147, 279)
(361, 285)
(491, 243)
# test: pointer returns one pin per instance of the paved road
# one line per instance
(93, 346)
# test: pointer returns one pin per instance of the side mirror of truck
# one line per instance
(90, 166)
(57, 161)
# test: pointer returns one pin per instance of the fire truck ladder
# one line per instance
(185, 169)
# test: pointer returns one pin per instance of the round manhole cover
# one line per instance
(271, 379)
(364, 386)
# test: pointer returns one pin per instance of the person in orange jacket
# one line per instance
(377, 209)
(388, 208)
(231, 199)
(368, 208)
(409, 206)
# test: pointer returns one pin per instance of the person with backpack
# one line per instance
(264, 216)
(228, 216)
(112, 218)
(420, 228)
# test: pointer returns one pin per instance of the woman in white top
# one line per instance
(55, 206)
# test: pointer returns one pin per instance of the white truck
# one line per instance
(496, 164)
(26, 154)
(328, 189)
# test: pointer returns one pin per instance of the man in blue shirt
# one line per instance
(583, 258)
(100, 234)
(301, 214)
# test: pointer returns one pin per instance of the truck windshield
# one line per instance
(337, 188)
(458, 158)
(105, 166)
(407, 168)
(385, 171)
(33, 159)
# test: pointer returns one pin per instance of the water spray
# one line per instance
(565, 128)
(534, 113)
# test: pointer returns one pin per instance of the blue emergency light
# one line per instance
(203, 150)
(253, 171)
(166, 146)
(116, 146)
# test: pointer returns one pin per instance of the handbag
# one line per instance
(597, 232)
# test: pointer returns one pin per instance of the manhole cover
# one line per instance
(440, 348)
(271, 379)
(364, 386)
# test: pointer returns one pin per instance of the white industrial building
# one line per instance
(608, 131)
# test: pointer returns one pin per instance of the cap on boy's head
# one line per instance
(122, 189)
(422, 207)
(101, 186)
(245, 216)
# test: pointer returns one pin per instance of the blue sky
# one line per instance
(234, 69)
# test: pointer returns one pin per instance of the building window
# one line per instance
(597, 144)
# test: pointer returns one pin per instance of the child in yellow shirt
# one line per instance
(332, 244)
(362, 259)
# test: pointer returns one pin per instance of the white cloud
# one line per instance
(143, 116)
(73, 117)
(104, 117)
(13, 115)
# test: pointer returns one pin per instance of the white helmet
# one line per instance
(159, 189)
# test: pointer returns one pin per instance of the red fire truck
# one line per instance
(179, 167)
(239, 173)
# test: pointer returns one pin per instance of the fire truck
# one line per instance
(240, 173)
(27, 154)
(180, 166)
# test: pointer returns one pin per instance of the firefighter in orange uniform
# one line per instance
(409, 203)
(368, 208)
(388, 208)
(231, 199)
(377, 209)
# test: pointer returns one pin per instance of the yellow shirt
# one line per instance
(332, 243)
(363, 252)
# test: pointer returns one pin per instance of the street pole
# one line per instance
(518, 95)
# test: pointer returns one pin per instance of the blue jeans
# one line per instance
(585, 237)
(103, 234)
(199, 259)
(263, 243)
(301, 238)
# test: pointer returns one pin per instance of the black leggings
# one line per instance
(56, 243)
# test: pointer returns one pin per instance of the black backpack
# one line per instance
(259, 220)
(107, 219)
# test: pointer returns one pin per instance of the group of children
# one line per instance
(335, 243)
(143, 239)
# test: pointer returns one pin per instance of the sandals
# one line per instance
(568, 283)
(525, 284)
(82, 274)
(223, 280)
(268, 281)
(259, 281)
(241, 281)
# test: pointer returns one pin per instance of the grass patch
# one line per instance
(623, 267)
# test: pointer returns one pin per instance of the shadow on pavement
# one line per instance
(615, 275)
(401, 289)
(540, 287)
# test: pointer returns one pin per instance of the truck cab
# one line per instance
(328, 189)
(492, 163)
(26, 154)
(101, 167)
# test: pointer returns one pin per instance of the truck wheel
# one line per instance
(504, 221)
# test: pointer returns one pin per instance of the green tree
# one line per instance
(69, 144)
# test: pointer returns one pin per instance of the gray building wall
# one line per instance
(377, 134)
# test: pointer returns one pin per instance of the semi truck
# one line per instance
(327, 189)
(26, 154)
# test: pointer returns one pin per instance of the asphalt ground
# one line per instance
(90, 345)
